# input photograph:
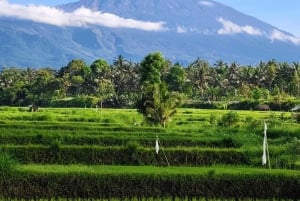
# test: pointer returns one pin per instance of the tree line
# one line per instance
(125, 83)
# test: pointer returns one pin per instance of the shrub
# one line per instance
(229, 119)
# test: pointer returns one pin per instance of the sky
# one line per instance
(283, 14)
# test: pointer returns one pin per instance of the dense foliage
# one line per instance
(122, 83)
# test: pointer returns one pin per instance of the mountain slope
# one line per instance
(190, 29)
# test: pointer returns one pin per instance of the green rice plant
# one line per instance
(41, 117)
(148, 182)
(288, 130)
(130, 154)
(190, 129)
(213, 119)
(7, 165)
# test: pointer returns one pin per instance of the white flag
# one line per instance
(264, 156)
(156, 146)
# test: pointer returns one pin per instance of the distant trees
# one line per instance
(126, 84)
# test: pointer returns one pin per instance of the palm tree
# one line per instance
(271, 70)
(284, 76)
(159, 105)
(198, 73)
(233, 77)
(247, 75)
(220, 77)
(296, 78)
(126, 80)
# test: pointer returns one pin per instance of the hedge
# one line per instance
(115, 139)
(129, 155)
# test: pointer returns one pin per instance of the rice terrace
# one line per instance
(150, 131)
(109, 154)
(149, 100)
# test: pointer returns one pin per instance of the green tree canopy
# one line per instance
(152, 68)
(157, 104)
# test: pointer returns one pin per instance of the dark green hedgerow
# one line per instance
(130, 154)
(124, 185)
(115, 139)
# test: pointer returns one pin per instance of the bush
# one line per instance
(229, 119)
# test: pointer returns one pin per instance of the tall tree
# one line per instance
(44, 86)
(271, 71)
(152, 68)
(176, 78)
(126, 80)
(12, 86)
(295, 80)
(198, 73)
(157, 104)
(73, 76)
(160, 105)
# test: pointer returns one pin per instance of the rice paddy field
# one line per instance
(109, 154)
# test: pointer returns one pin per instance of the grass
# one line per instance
(115, 169)
(71, 136)
(116, 127)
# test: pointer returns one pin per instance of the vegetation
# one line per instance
(185, 183)
(214, 152)
(76, 153)
(121, 84)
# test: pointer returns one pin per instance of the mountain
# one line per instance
(181, 30)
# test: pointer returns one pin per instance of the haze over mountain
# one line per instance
(39, 36)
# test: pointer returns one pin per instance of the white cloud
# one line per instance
(278, 35)
(230, 28)
(79, 18)
(181, 29)
(206, 3)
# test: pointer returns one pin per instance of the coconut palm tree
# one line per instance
(159, 105)
(126, 80)
(296, 79)
(271, 71)
(198, 74)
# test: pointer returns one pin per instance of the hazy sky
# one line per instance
(283, 14)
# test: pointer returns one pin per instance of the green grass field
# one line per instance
(190, 128)
(74, 141)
